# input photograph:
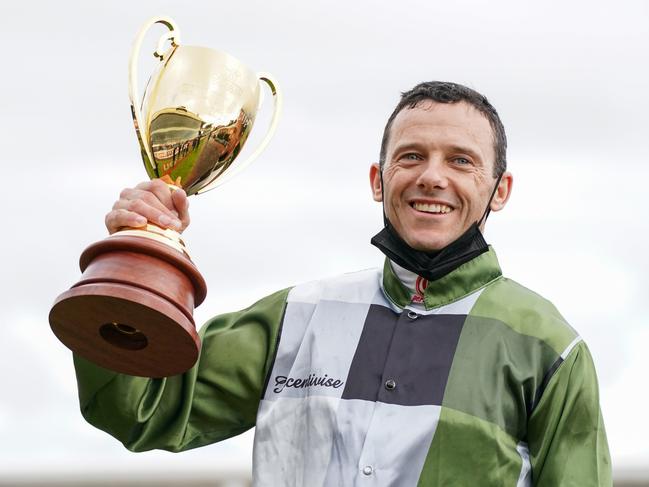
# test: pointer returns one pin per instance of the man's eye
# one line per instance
(411, 156)
(462, 160)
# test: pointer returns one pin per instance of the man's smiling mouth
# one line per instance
(435, 208)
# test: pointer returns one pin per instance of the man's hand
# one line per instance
(152, 201)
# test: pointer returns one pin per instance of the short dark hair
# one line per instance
(447, 92)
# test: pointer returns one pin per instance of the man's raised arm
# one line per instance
(219, 396)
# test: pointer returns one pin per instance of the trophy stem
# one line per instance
(166, 236)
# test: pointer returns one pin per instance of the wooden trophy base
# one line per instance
(131, 311)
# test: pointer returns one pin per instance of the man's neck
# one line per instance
(414, 283)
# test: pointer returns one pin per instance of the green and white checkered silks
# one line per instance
(489, 386)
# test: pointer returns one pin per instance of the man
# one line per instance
(433, 371)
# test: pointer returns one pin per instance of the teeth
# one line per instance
(432, 208)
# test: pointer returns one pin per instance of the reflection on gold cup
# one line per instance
(132, 310)
(197, 112)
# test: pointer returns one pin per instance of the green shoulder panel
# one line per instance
(216, 399)
(509, 346)
(525, 312)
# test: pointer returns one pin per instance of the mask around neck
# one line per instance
(431, 265)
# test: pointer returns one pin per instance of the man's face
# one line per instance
(438, 173)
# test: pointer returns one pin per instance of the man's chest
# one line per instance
(359, 389)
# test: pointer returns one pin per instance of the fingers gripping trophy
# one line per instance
(132, 309)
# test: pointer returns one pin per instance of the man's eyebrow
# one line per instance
(400, 147)
(466, 150)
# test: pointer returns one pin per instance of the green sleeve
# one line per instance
(216, 399)
(566, 433)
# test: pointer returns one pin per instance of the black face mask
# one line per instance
(436, 264)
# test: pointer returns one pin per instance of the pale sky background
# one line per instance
(569, 79)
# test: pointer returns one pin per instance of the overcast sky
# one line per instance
(569, 79)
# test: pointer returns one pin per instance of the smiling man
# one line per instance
(438, 186)
(432, 371)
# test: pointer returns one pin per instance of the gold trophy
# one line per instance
(132, 309)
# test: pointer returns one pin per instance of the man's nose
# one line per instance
(433, 174)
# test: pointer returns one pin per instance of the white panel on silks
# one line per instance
(353, 420)
(325, 351)
(296, 320)
(293, 441)
(331, 441)
(297, 421)
(397, 444)
(354, 287)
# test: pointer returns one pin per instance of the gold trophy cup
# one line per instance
(132, 309)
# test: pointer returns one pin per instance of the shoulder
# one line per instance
(355, 287)
(526, 313)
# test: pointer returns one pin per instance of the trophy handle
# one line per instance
(277, 109)
(136, 103)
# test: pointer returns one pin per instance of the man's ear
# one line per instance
(375, 182)
(503, 192)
